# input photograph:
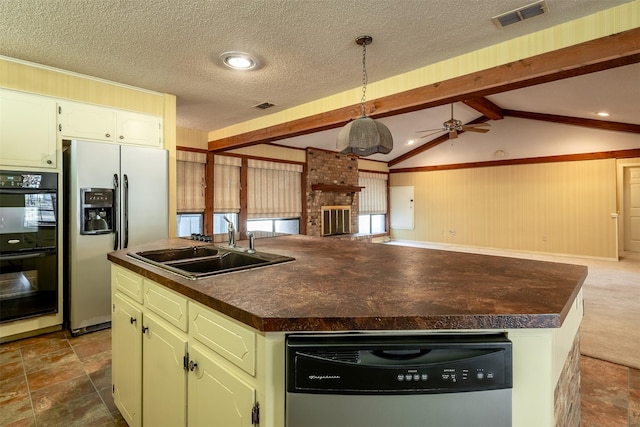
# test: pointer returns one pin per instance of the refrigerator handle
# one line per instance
(116, 239)
(125, 214)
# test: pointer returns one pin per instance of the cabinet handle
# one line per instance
(49, 162)
(108, 135)
(132, 320)
(192, 366)
(121, 136)
(145, 329)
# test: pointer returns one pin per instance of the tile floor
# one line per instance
(58, 380)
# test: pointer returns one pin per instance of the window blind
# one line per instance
(373, 197)
(190, 181)
(226, 183)
(274, 189)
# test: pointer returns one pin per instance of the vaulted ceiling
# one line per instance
(306, 52)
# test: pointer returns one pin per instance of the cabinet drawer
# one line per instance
(126, 282)
(167, 304)
(230, 339)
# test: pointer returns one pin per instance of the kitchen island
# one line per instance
(338, 286)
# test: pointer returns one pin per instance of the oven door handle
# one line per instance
(25, 256)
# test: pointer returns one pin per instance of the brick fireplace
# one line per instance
(332, 180)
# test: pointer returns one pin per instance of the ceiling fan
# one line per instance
(453, 126)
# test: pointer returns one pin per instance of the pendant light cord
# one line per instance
(365, 78)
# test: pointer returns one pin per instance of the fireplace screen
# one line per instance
(336, 220)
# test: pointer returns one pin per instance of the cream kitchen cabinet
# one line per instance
(149, 373)
(91, 122)
(217, 396)
(126, 355)
(163, 375)
(27, 130)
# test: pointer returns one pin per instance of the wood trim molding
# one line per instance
(619, 154)
(596, 55)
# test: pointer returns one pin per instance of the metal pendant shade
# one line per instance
(364, 136)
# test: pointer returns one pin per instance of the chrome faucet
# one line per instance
(252, 245)
(231, 230)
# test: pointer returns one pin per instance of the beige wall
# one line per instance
(60, 84)
(561, 208)
(272, 152)
(191, 138)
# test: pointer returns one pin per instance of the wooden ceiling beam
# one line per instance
(576, 121)
(596, 55)
(485, 107)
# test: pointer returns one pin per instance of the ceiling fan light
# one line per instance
(364, 137)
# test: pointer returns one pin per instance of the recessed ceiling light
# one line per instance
(603, 114)
(238, 60)
(410, 142)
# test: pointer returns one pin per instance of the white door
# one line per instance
(632, 209)
(216, 396)
(126, 348)
(401, 207)
(145, 195)
(164, 379)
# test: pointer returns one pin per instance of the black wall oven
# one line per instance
(28, 244)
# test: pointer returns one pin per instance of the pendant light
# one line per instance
(364, 136)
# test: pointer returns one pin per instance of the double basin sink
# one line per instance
(202, 261)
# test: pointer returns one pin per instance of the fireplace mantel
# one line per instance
(336, 188)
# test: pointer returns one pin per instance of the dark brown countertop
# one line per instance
(336, 285)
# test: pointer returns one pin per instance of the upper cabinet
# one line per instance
(27, 130)
(90, 122)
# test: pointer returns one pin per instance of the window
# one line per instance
(189, 223)
(191, 186)
(274, 196)
(373, 202)
(226, 203)
(274, 190)
(372, 224)
(289, 225)
(220, 226)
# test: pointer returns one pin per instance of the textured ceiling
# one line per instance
(306, 47)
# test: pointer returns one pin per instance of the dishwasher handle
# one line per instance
(400, 354)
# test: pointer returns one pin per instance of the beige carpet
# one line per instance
(610, 329)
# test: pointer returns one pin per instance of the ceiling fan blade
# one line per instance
(478, 124)
(432, 133)
(476, 130)
(431, 130)
(453, 134)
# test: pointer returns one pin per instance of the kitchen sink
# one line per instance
(196, 262)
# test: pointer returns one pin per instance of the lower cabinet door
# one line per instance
(126, 369)
(164, 379)
(217, 397)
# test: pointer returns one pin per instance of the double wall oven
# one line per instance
(28, 244)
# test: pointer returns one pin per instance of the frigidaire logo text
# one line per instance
(324, 377)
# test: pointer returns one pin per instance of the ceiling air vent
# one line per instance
(520, 14)
(264, 105)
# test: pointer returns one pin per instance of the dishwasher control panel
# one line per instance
(398, 364)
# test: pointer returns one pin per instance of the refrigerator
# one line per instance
(116, 196)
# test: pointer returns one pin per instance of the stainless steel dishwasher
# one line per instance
(387, 380)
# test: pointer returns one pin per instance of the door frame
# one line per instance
(622, 164)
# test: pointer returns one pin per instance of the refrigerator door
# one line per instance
(144, 198)
(91, 164)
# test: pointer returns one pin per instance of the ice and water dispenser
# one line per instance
(97, 210)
